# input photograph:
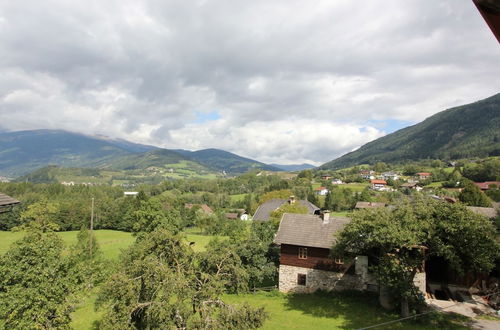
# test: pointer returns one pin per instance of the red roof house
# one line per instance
(487, 184)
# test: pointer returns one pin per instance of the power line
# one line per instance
(421, 314)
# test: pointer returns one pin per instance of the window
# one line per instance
(339, 261)
(302, 253)
(301, 279)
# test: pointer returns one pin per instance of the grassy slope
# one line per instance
(467, 131)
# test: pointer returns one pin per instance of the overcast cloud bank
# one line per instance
(278, 81)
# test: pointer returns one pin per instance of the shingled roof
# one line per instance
(7, 201)
(368, 205)
(309, 230)
(264, 210)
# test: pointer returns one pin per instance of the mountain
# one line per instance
(471, 130)
(293, 168)
(226, 161)
(23, 152)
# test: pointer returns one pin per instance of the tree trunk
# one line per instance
(405, 310)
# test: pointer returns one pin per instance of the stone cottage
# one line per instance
(305, 263)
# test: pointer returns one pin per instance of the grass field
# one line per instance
(331, 311)
(305, 311)
(111, 242)
(237, 197)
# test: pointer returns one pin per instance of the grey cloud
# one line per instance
(141, 69)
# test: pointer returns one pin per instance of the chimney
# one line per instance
(292, 199)
(325, 216)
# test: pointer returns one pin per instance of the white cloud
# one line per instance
(275, 71)
(286, 141)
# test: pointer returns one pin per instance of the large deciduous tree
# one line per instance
(395, 241)
(160, 286)
(34, 286)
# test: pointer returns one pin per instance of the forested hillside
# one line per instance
(26, 151)
(471, 130)
(225, 161)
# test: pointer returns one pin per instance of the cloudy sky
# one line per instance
(279, 81)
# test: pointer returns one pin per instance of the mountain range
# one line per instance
(22, 152)
(471, 130)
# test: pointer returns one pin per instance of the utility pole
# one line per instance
(91, 227)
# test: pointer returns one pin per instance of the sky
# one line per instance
(279, 81)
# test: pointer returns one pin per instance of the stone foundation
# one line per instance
(316, 279)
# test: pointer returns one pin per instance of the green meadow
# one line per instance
(286, 311)
(321, 310)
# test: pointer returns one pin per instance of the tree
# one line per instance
(86, 266)
(276, 215)
(282, 194)
(34, 288)
(160, 286)
(395, 241)
(152, 215)
(39, 217)
(380, 167)
(473, 196)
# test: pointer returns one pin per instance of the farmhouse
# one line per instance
(305, 263)
(231, 216)
(264, 210)
(423, 175)
(390, 176)
(488, 185)
(204, 207)
(6, 202)
(322, 191)
(367, 174)
(412, 185)
(379, 185)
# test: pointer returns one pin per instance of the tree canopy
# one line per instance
(396, 241)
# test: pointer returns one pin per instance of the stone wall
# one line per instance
(316, 279)
(420, 281)
(335, 281)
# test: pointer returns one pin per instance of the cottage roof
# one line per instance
(378, 182)
(6, 200)
(367, 205)
(488, 212)
(486, 185)
(309, 230)
(204, 207)
(264, 210)
(424, 173)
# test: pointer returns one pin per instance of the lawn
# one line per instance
(331, 311)
(111, 242)
(237, 197)
(305, 311)
(356, 187)
(200, 240)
